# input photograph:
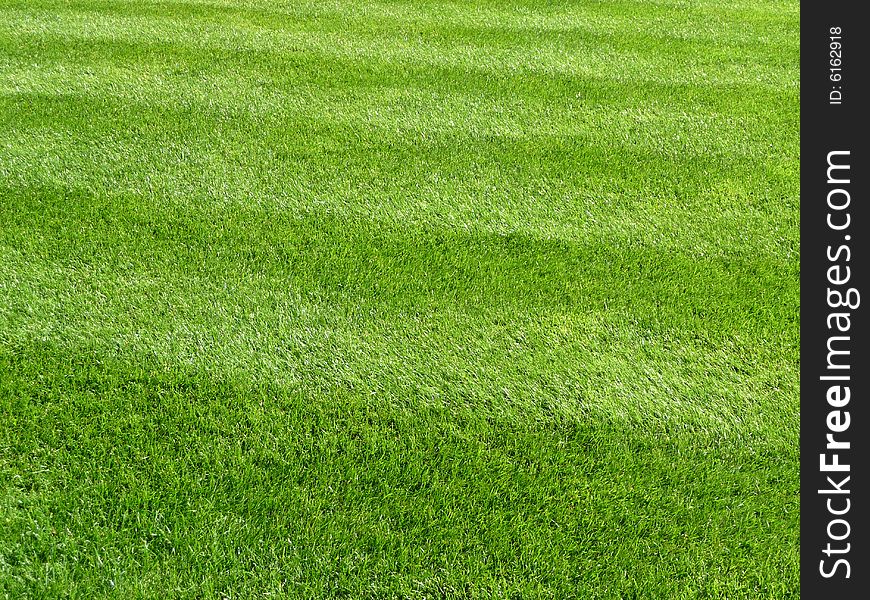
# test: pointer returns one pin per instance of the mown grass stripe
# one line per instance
(451, 299)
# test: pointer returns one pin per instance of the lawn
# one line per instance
(455, 299)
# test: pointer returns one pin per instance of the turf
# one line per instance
(454, 299)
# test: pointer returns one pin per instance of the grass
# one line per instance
(454, 299)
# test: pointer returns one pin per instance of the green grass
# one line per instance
(436, 299)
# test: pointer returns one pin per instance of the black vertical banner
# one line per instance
(835, 371)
